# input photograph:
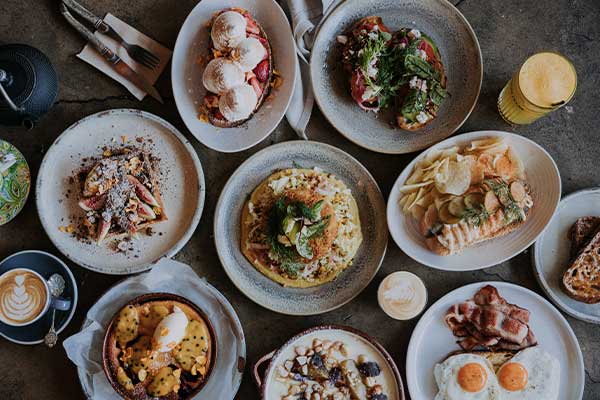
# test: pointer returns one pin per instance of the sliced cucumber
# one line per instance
(445, 215)
(457, 207)
(474, 200)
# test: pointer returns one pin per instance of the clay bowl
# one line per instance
(108, 359)
(270, 387)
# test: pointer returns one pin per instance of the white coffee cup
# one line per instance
(25, 297)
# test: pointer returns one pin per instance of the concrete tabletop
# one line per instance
(508, 32)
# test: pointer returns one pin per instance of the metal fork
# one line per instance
(137, 53)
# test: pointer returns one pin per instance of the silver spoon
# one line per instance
(56, 283)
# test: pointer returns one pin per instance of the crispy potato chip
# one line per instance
(517, 163)
(415, 177)
(415, 186)
(409, 201)
(484, 144)
(457, 179)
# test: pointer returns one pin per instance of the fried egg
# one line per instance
(466, 377)
(531, 374)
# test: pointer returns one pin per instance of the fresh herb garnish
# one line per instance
(290, 227)
(477, 215)
(512, 211)
(414, 103)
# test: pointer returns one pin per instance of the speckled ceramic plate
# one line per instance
(543, 178)
(461, 57)
(180, 176)
(551, 253)
(192, 45)
(15, 183)
(44, 264)
(261, 289)
(432, 341)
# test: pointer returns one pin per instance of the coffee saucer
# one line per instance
(44, 264)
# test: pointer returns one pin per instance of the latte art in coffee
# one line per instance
(23, 297)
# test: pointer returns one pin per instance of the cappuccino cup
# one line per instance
(25, 297)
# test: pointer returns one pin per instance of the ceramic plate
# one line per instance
(461, 57)
(259, 288)
(44, 264)
(180, 176)
(192, 45)
(544, 180)
(432, 341)
(551, 253)
(357, 343)
(15, 183)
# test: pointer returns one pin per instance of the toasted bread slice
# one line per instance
(213, 116)
(581, 280)
(581, 232)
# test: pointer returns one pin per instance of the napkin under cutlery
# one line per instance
(305, 15)
(133, 36)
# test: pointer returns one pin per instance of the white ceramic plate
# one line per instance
(542, 176)
(432, 341)
(180, 176)
(192, 44)
(552, 253)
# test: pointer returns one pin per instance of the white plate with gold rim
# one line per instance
(432, 341)
(181, 182)
(543, 178)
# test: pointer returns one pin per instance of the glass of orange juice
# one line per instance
(545, 82)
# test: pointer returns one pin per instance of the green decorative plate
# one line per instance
(14, 182)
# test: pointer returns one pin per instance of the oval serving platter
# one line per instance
(551, 253)
(544, 180)
(461, 57)
(183, 192)
(264, 291)
(192, 45)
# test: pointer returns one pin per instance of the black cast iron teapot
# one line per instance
(28, 85)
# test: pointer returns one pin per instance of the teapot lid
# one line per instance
(15, 181)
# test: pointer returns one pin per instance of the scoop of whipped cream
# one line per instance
(228, 30)
(248, 53)
(170, 331)
(238, 103)
(402, 295)
(221, 75)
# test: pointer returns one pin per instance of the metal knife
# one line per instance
(118, 64)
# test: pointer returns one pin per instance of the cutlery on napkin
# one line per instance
(133, 36)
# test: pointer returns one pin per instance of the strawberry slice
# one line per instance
(218, 115)
(262, 71)
(256, 86)
(251, 26)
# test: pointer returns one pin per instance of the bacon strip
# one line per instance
(489, 321)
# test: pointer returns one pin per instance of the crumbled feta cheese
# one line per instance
(402, 45)
(422, 117)
(422, 53)
(372, 69)
(414, 82)
(343, 39)
(423, 87)
(278, 185)
(370, 92)
(373, 35)
(360, 52)
(415, 33)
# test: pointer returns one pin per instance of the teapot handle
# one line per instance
(28, 119)
(4, 78)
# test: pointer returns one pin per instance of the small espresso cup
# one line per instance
(25, 297)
